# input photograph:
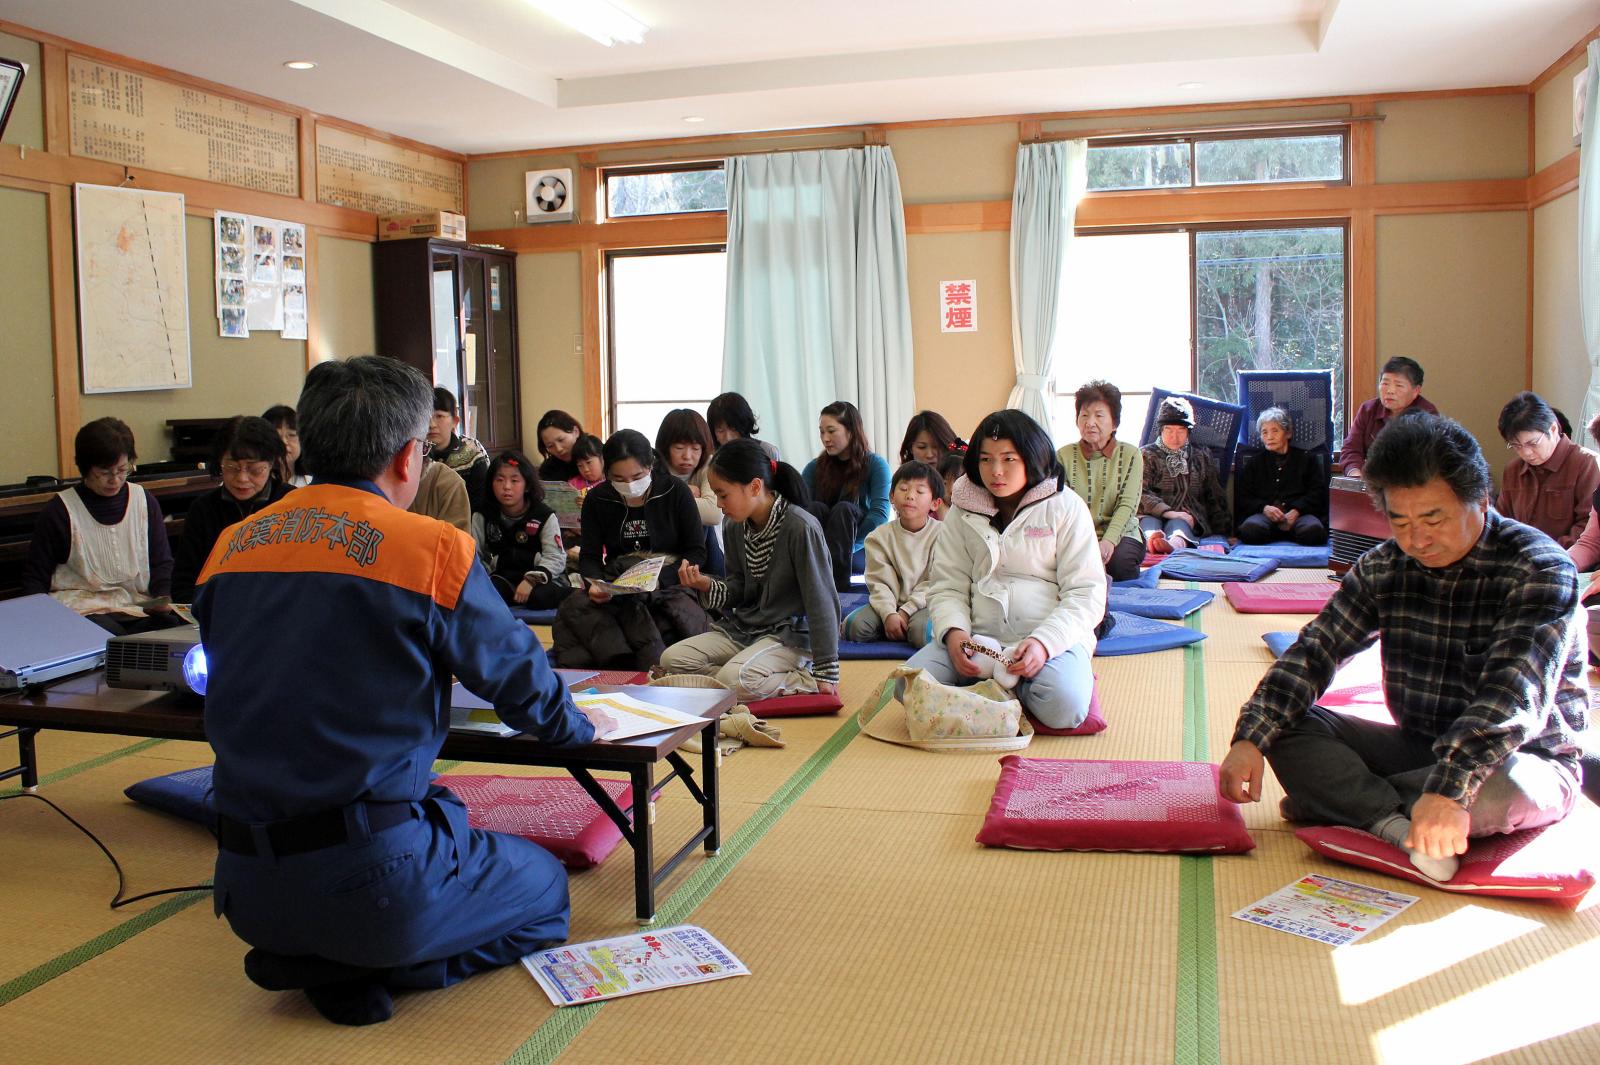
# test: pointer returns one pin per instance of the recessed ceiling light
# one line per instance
(1191, 85)
(694, 118)
(299, 64)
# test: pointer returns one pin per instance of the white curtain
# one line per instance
(1589, 237)
(817, 303)
(1051, 178)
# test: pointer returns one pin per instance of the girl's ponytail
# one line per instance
(742, 461)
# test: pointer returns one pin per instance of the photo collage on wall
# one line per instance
(261, 276)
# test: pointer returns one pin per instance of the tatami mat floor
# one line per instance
(877, 930)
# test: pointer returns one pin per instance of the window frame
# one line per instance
(608, 312)
(607, 172)
(1191, 138)
(1190, 230)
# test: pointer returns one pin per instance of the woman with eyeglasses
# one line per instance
(1550, 481)
(245, 453)
(101, 546)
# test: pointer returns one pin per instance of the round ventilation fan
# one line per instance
(550, 195)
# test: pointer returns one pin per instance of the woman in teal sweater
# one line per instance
(1109, 475)
(849, 487)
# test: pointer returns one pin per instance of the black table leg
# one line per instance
(710, 756)
(644, 881)
(28, 757)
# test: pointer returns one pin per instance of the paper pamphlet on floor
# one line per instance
(634, 717)
(610, 968)
(640, 577)
(1326, 909)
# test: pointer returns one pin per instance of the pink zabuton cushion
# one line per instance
(1058, 805)
(554, 812)
(1092, 721)
(1357, 688)
(802, 705)
(1554, 863)
(1296, 598)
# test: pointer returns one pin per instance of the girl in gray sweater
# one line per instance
(777, 632)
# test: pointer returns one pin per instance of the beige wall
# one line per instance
(25, 340)
(230, 376)
(1552, 116)
(1560, 369)
(946, 164)
(1452, 294)
(345, 306)
(1465, 138)
(549, 338)
(962, 375)
(26, 126)
(496, 188)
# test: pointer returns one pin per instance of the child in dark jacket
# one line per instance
(519, 538)
(640, 511)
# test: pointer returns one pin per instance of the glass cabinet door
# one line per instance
(475, 409)
(502, 355)
(446, 325)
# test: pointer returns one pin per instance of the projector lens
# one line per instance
(194, 669)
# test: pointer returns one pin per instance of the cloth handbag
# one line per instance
(980, 718)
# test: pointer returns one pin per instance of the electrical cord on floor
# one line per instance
(117, 901)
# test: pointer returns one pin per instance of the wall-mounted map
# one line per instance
(137, 120)
(373, 175)
(133, 289)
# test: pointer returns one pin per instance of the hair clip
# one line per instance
(774, 465)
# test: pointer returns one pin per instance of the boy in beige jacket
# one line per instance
(899, 558)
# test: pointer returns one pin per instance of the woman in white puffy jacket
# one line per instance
(1018, 562)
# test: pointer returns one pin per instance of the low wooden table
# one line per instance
(84, 704)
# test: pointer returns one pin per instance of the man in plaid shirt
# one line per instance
(1484, 669)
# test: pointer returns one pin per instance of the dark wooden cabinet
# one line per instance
(450, 310)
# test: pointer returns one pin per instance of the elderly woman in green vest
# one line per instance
(1108, 475)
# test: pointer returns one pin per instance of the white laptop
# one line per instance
(41, 640)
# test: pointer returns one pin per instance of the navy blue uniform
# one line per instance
(333, 622)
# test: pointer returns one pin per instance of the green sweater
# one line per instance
(1111, 487)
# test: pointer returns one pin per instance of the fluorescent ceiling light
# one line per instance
(604, 22)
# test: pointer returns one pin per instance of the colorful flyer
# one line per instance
(641, 577)
(1326, 909)
(610, 968)
(632, 717)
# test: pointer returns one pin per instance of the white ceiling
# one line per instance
(493, 75)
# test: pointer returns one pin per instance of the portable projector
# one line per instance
(168, 660)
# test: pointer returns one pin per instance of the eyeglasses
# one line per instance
(109, 473)
(1522, 446)
(427, 447)
(249, 469)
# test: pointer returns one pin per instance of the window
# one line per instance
(1124, 318)
(635, 191)
(1191, 160)
(1188, 309)
(1269, 299)
(665, 319)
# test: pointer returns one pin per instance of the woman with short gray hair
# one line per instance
(1282, 491)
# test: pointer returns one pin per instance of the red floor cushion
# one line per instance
(554, 812)
(1556, 863)
(1295, 598)
(1056, 804)
(804, 704)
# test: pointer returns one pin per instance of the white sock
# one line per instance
(1394, 829)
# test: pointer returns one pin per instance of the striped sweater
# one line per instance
(1110, 486)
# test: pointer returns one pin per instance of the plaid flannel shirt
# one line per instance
(1487, 656)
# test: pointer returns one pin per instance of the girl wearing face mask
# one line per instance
(640, 511)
